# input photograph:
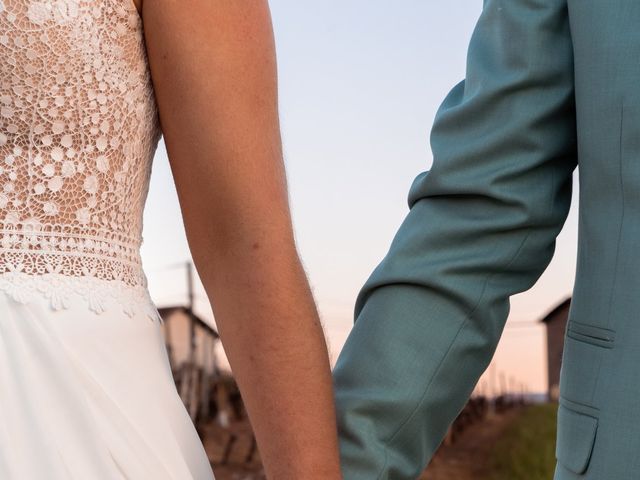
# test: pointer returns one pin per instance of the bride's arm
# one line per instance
(214, 73)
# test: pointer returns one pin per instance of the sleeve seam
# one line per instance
(444, 357)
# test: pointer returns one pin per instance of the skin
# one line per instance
(213, 67)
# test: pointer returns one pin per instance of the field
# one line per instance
(517, 444)
(526, 450)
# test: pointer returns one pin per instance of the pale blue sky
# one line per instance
(360, 82)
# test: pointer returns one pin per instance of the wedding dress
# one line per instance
(86, 390)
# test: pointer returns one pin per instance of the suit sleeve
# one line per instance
(482, 226)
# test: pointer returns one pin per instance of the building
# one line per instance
(188, 338)
(191, 343)
(556, 322)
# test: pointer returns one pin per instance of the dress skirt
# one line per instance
(86, 396)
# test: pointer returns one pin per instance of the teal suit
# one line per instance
(549, 83)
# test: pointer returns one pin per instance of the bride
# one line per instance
(87, 87)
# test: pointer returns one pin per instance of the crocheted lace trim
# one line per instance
(99, 294)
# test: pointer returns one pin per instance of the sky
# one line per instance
(359, 86)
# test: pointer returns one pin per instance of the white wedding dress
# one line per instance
(86, 390)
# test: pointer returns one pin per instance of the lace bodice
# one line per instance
(78, 130)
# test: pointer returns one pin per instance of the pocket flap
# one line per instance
(575, 438)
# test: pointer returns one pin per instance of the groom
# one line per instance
(548, 82)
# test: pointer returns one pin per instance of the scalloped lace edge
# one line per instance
(99, 294)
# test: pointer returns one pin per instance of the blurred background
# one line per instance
(360, 83)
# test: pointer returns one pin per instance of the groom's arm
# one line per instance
(482, 226)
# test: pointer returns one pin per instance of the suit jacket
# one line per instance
(548, 83)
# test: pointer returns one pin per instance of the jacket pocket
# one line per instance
(600, 336)
(575, 438)
(584, 349)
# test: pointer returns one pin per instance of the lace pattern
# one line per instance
(98, 294)
(79, 127)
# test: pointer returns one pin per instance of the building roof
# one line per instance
(166, 311)
(556, 309)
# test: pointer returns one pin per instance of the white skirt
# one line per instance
(87, 396)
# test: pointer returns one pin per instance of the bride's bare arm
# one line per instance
(214, 73)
